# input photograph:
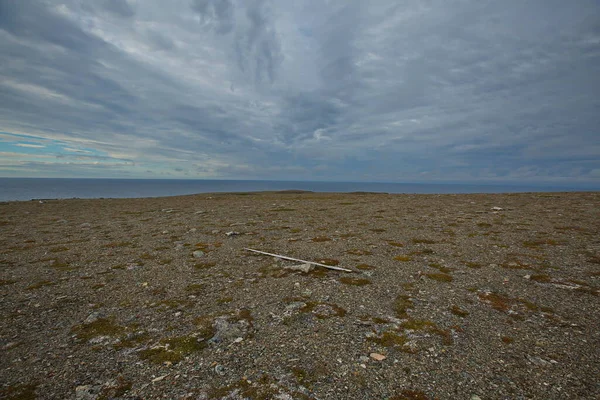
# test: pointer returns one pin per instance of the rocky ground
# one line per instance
(452, 297)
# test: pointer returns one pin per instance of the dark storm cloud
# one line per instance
(381, 90)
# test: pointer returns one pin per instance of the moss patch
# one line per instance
(440, 277)
(173, 349)
(403, 258)
(456, 310)
(402, 304)
(40, 284)
(19, 392)
(100, 327)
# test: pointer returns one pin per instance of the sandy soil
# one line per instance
(451, 298)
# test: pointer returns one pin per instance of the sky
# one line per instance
(349, 90)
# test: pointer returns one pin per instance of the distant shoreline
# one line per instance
(26, 189)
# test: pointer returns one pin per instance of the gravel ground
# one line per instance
(478, 296)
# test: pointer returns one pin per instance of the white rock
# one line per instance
(300, 267)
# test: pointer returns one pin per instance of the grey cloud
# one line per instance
(121, 8)
(450, 90)
(217, 14)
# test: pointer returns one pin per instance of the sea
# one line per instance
(24, 189)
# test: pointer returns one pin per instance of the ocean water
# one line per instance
(12, 189)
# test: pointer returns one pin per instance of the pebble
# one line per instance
(93, 317)
(475, 397)
(219, 369)
(87, 392)
(198, 254)
(363, 359)
(159, 378)
(377, 356)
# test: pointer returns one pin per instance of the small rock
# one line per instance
(238, 340)
(85, 225)
(93, 317)
(198, 254)
(159, 378)
(301, 267)
(296, 305)
(475, 397)
(538, 361)
(215, 231)
(527, 277)
(377, 356)
(219, 369)
(87, 392)
(232, 233)
(363, 359)
(497, 209)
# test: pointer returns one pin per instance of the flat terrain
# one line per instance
(453, 297)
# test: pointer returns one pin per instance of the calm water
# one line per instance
(43, 188)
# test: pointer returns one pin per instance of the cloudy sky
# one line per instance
(383, 90)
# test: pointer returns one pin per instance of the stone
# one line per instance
(497, 209)
(198, 254)
(232, 233)
(475, 397)
(539, 361)
(363, 359)
(227, 330)
(377, 356)
(300, 267)
(87, 392)
(93, 317)
(219, 369)
(159, 378)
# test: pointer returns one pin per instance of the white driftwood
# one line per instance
(304, 261)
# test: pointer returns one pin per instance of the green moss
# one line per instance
(357, 252)
(429, 327)
(474, 265)
(421, 252)
(390, 339)
(538, 243)
(440, 277)
(174, 349)
(194, 288)
(329, 261)
(403, 258)
(456, 310)
(205, 265)
(40, 284)
(225, 300)
(118, 244)
(346, 280)
(543, 278)
(100, 327)
(321, 239)
(19, 392)
(6, 282)
(58, 249)
(507, 340)
(441, 268)
(132, 340)
(318, 311)
(422, 241)
(410, 395)
(377, 230)
(402, 304)
(62, 265)
(395, 244)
